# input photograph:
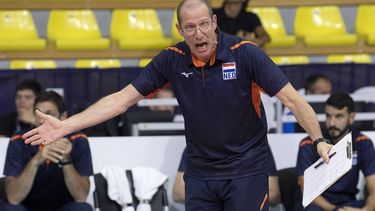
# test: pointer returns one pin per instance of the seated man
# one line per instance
(53, 177)
(339, 109)
(23, 118)
(318, 84)
(273, 183)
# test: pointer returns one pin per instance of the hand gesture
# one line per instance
(50, 130)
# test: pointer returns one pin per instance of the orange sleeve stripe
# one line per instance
(76, 136)
(176, 50)
(361, 138)
(255, 89)
(306, 141)
(15, 137)
(241, 43)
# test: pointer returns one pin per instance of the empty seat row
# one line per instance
(115, 63)
(318, 26)
(141, 29)
(51, 64)
(79, 30)
(333, 58)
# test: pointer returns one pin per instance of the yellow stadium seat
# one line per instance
(49, 1)
(32, 64)
(98, 63)
(274, 25)
(365, 22)
(176, 37)
(75, 30)
(349, 58)
(144, 62)
(18, 32)
(281, 60)
(322, 26)
(138, 30)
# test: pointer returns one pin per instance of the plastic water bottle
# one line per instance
(289, 127)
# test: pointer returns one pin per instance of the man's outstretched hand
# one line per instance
(50, 130)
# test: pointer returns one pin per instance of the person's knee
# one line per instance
(10, 207)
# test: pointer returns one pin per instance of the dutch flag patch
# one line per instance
(229, 71)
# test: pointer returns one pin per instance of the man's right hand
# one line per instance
(50, 130)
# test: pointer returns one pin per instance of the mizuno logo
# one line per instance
(187, 74)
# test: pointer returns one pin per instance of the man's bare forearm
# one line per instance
(77, 185)
(17, 188)
(303, 112)
(106, 108)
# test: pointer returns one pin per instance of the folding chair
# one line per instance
(102, 202)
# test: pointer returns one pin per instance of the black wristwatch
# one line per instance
(61, 164)
(317, 141)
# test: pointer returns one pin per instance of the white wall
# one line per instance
(164, 152)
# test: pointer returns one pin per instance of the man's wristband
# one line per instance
(61, 164)
(317, 141)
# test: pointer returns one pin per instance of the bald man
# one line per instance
(217, 80)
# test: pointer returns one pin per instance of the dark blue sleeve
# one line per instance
(253, 21)
(263, 70)
(271, 166)
(15, 161)
(81, 157)
(305, 158)
(154, 75)
(367, 153)
(182, 166)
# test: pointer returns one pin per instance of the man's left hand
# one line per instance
(63, 147)
(323, 150)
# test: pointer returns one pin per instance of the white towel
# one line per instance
(118, 186)
(146, 183)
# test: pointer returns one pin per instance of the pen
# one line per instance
(321, 162)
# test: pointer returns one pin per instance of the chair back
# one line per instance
(102, 201)
(349, 58)
(365, 20)
(72, 24)
(17, 24)
(32, 64)
(98, 63)
(135, 24)
(319, 20)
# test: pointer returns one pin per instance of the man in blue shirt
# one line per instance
(52, 177)
(339, 109)
(217, 79)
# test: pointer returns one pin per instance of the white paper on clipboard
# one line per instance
(320, 176)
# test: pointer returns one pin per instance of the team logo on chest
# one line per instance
(229, 71)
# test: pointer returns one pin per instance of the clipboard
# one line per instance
(320, 175)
